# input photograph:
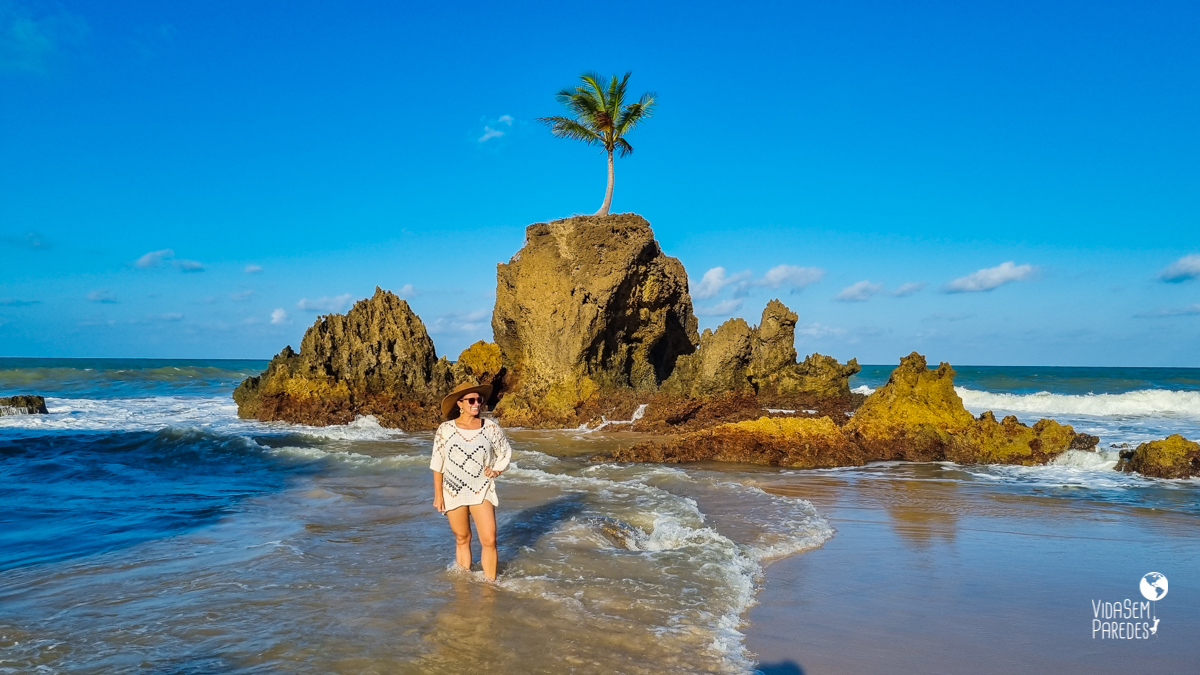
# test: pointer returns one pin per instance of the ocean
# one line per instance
(148, 529)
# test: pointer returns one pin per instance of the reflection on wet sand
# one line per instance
(918, 511)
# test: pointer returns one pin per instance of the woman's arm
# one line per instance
(436, 463)
(439, 502)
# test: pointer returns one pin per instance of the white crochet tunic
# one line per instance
(460, 455)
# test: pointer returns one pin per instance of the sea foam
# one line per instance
(1146, 402)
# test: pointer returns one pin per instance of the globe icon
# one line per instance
(1154, 586)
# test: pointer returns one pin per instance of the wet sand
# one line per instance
(943, 576)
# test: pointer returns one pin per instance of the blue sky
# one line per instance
(1014, 183)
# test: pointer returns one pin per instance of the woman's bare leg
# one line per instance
(462, 536)
(484, 516)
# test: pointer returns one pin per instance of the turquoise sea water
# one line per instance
(146, 521)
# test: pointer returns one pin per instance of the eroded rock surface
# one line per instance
(23, 405)
(377, 359)
(762, 359)
(589, 305)
(1171, 457)
(777, 441)
(913, 416)
(916, 416)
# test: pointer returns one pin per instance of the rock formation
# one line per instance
(377, 359)
(23, 405)
(916, 416)
(1172, 457)
(762, 360)
(777, 441)
(913, 416)
(589, 305)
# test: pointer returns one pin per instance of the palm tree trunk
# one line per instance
(607, 193)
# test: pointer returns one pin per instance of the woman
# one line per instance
(469, 452)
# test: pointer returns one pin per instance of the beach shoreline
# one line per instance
(932, 575)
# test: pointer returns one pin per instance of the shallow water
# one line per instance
(148, 528)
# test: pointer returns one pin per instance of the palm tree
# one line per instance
(601, 117)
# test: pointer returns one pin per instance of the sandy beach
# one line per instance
(933, 574)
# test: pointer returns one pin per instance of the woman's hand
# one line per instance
(439, 503)
(490, 473)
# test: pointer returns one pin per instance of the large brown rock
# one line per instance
(777, 441)
(761, 359)
(377, 359)
(589, 304)
(23, 405)
(1171, 457)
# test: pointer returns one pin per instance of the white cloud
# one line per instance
(154, 258)
(171, 316)
(908, 289)
(990, 278)
(406, 291)
(816, 330)
(241, 295)
(859, 292)
(189, 265)
(102, 296)
(791, 276)
(30, 42)
(334, 304)
(496, 128)
(279, 316)
(29, 239)
(1191, 310)
(253, 269)
(1187, 267)
(460, 322)
(723, 308)
(715, 280)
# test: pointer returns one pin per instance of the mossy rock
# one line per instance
(1172, 457)
(1010, 442)
(776, 441)
(915, 416)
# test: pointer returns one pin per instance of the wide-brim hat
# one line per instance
(448, 403)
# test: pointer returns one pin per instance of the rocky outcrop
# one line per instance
(377, 359)
(1009, 441)
(913, 416)
(916, 416)
(762, 359)
(776, 441)
(23, 405)
(589, 305)
(1172, 457)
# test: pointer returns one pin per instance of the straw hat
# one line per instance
(449, 407)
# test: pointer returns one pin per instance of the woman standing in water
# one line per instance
(469, 452)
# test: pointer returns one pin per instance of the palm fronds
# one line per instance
(599, 114)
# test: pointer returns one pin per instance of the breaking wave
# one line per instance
(1146, 402)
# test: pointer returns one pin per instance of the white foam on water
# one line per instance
(1146, 402)
(604, 422)
(863, 389)
(130, 414)
(363, 428)
(1091, 461)
(657, 521)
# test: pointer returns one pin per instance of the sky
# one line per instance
(1008, 183)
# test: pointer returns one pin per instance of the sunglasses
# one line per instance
(472, 400)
